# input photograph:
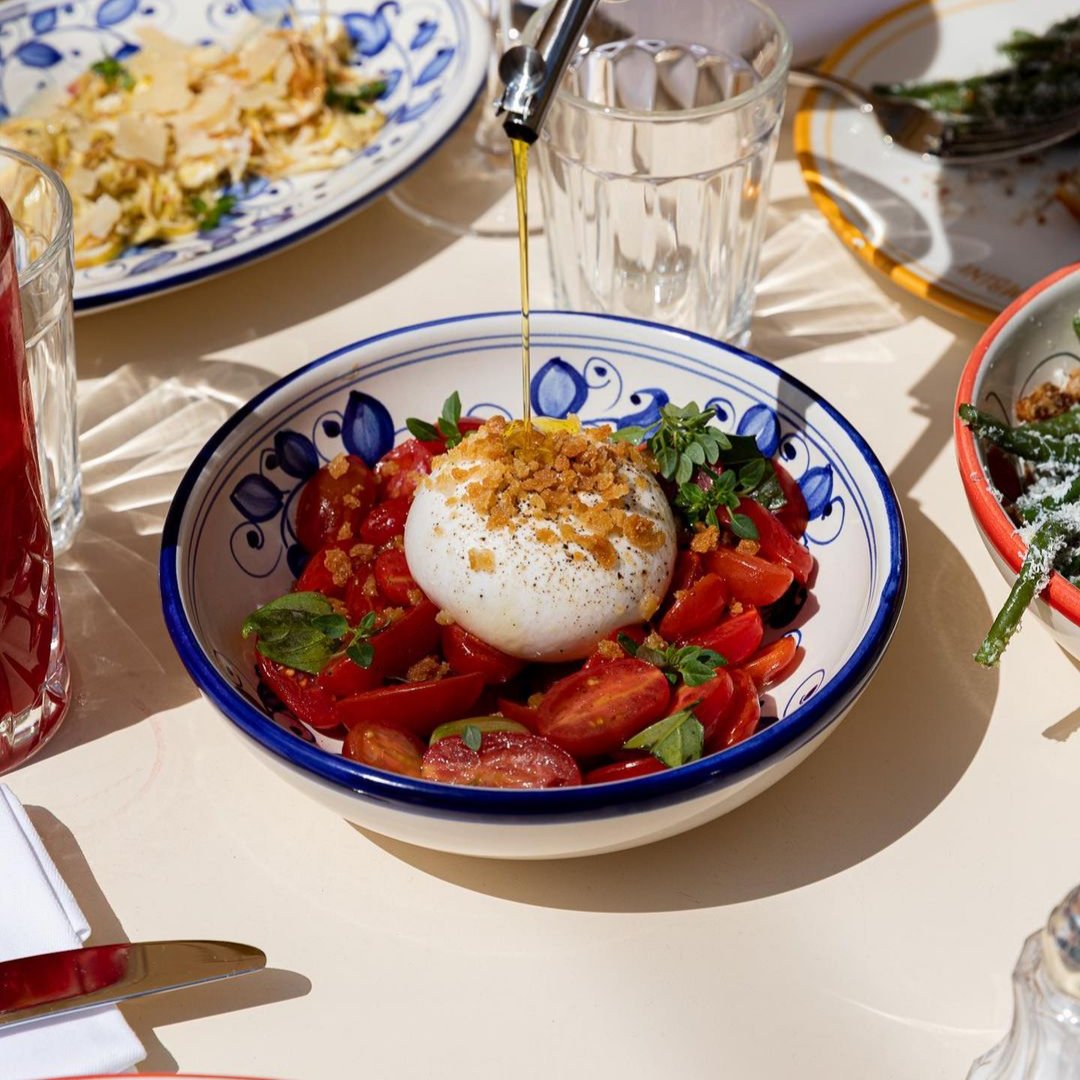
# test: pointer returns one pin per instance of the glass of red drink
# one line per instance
(34, 681)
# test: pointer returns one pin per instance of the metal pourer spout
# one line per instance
(531, 73)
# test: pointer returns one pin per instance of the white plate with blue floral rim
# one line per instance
(432, 54)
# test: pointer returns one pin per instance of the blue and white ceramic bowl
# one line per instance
(229, 546)
(432, 54)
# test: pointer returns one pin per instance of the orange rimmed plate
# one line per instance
(970, 239)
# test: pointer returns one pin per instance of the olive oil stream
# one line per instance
(520, 150)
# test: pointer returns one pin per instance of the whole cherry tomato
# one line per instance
(777, 544)
(742, 717)
(385, 521)
(594, 712)
(506, 759)
(624, 770)
(402, 468)
(736, 638)
(394, 580)
(466, 653)
(767, 666)
(328, 502)
(419, 707)
(384, 746)
(695, 608)
(712, 700)
(300, 694)
(751, 580)
(793, 513)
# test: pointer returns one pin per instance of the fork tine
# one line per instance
(991, 131)
(956, 143)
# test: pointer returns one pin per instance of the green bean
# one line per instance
(1066, 423)
(1042, 551)
(1032, 445)
(1072, 494)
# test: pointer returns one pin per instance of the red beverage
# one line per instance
(33, 670)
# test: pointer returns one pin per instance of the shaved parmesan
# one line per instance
(81, 181)
(141, 138)
(261, 55)
(104, 214)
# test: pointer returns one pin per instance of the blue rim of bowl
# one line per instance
(116, 298)
(637, 794)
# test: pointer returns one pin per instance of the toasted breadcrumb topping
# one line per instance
(482, 559)
(1049, 399)
(705, 539)
(339, 564)
(431, 667)
(444, 618)
(747, 547)
(339, 466)
(577, 480)
(610, 650)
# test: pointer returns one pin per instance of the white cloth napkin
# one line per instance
(38, 914)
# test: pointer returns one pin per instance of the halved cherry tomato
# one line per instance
(393, 578)
(300, 694)
(687, 570)
(385, 521)
(712, 698)
(418, 707)
(402, 468)
(793, 514)
(523, 714)
(466, 653)
(635, 632)
(506, 759)
(328, 502)
(736, 639)
(407, 639)
(594, 712)
(742, 717)
(317, 576)
(342, 677)
(695, 608)
(777, 544)
(384, 746)
(624, 770)
(750, 579)
(770, 663)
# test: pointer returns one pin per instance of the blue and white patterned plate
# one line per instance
(230, 544)
(432, 54)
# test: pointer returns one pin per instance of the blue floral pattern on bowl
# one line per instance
(431, 53)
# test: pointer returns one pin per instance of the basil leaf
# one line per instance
(333, 626)
(311, 602)
(628, 643)
(421, 430)
(675, 740)
(628, 434)
(743, 527)
(472, 737)
(361, 653)
(667, 461)
(684, 470)
(451, 410)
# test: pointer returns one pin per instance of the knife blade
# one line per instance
(77, 979)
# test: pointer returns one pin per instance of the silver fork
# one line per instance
(956, 140)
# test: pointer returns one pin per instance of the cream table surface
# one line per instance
(860, 919)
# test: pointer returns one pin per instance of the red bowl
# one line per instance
(1032, 341)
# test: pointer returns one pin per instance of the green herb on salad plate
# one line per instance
(675, 740)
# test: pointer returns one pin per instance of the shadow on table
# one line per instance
(356, 257)
(141, 427)
(147, 1014)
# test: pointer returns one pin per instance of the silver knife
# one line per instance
(67, 982)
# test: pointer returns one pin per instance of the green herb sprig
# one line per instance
(472, 737)
(693, 665)
(675, 740)
(446, 427)
(682, 442)
(209, 215)
(355, 100)
(115, 74)
(302, 631)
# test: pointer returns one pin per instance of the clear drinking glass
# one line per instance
(41, 210)
(655, 162)
(33, 670)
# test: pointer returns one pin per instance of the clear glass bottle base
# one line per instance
(23, 734)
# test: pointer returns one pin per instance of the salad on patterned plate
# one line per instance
(509, 606)
(149, 144)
